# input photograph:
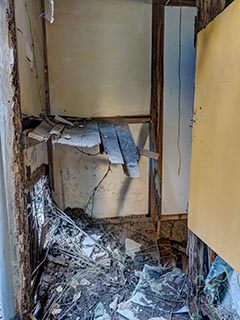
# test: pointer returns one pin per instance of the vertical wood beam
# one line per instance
(156, 127)
(47, 98)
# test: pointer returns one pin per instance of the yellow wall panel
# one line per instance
(214, 210)
(30, 56)
(99, 55)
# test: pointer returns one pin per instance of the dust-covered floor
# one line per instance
(105, 269)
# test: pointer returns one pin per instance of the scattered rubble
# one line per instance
(161, 289)
(105, 269)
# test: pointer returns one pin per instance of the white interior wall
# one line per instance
(76, 176)
(175, 187)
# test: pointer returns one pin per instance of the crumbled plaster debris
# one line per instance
(132, 247)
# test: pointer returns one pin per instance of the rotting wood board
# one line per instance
(129, 150)
(110, 143)
(86, 136)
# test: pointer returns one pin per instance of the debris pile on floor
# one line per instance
(221, 294)
(103, 269)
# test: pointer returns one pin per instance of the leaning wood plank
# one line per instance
(129, 150)
(84, 137)
(148, 153)
(42, 132)
(133, 170)
(110, 143)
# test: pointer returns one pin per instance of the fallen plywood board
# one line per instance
(177, 131)
(110, 143)
(41, 132)
(129, 150)
(85, 137)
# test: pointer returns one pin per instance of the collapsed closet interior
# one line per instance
(106, 92)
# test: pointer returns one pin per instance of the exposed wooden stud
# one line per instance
(148, 153)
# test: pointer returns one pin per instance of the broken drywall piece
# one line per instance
(41, 132)
(131, 247)
(85, 282)
(84, 137)
(113, 305)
